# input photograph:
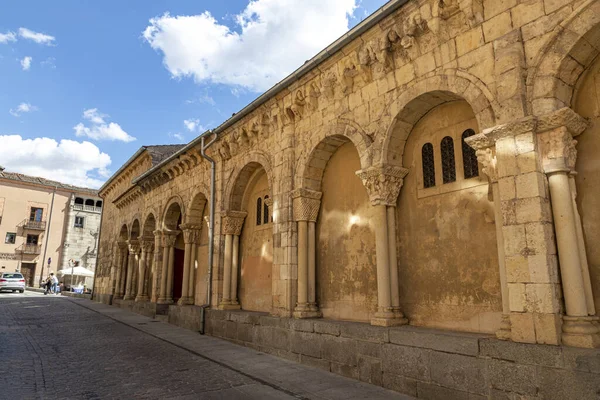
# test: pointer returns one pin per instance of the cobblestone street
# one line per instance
(54, 347)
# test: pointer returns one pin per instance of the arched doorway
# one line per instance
(346, 271)
(198, 274)
(121, 258)
(173, 279)
(446, 236)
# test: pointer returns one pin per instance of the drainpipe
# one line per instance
(211, 227)
(47, 236)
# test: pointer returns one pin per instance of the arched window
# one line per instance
(98, 203)
(258, 211)
(428, 165)
(78, 200)
(89, 202)
(448, 163)
(266, 211)
(470, 166)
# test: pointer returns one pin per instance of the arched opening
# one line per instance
(121, 262)
(446, 237)
(89, 202)
(78, 200)
(346, 285)
(98, 203)
(148, 234)
(255, 288)
(587, 104)
(172, 222)
(197, 216)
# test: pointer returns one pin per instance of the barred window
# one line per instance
(266, 211)
(428, 165)
(470, 166)
(258, 211)
(448, 162)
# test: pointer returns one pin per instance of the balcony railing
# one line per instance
(30, 249)
(87, 208)
(34, 225)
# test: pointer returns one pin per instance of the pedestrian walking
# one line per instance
(54, 282)
(48, 284)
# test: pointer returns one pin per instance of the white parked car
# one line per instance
(12, 281)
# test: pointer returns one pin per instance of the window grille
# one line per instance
(258, 211)
(428, 165)
(448, 162)
(266, 211)
(470, 166)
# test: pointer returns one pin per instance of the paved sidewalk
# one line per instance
(286, 377)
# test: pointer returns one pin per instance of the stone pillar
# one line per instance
(306, 204)
(121, 266)
(191, 234)
(156, 266)
(147, 246)
(166, 285)
(383, 183)
(580, 325)
(231, 227)
(134, 249)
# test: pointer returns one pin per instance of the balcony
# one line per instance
(87, 208)
(33, 225)
(29, 249)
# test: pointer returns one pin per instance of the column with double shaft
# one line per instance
(134, 251)
(168, 260)
(580, 324)
(121, 270)
(306, 204)
(147, 248)
(156, 266)
(231, 227)
(191, 235)
(383, 183)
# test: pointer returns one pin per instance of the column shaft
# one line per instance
(383, 263)
(504, 331)
(234, 268)
(124, 258)
(302, 266)
(170, 274)
(192, 276)
(227, 270)
(118, 272)
(163, 276)
(395, 289)
(186, 275)
(141, 276)
(312, 270)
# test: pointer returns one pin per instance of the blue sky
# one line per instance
(84, 84)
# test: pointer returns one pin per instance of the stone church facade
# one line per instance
(416, 207)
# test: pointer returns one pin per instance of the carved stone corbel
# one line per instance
(383, 183)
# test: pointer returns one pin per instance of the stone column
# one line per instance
(580, 327)
(134, 249)
(145, 262)
(383, 183)
(191, 234)
(156, 266)
(306, 204)
(166, 284)
(231, 227)
(121, 270)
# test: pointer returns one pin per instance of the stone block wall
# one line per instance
(424, 363)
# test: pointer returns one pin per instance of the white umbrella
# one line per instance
(76, 271)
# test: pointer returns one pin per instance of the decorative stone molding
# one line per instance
(487, 158)
(134, 247)
(232, 222)
(269, 202)
(191, 233)
(383, 183)
(306, 204)
(489, 136)
(565, 117)
(558, 151)
(169, 238)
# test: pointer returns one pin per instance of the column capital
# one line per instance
(306, 204)
(134, 246)
(566, 118)
(147, 245)
(122, 246)
(558, 151)
(191, 233)
(169, 238)
(383, 183)
(233, 222)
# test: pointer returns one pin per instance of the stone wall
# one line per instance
(420, 362)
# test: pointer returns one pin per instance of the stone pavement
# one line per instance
(53, 347)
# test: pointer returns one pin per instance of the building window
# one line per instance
(470, 166)
(258, 211)
(448, 162)
(32, 239)
(89, 202)
(99, 204)
(79, 222)
(78, 200)
(428, 165)
(36, 214)
(10, 238)
(266, 211)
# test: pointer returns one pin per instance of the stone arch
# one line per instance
(149, 225)
(311, 165)
(135, 229)
(170, 213)
(423, 96)
(241, 176)
(123, 233)
(566, 56)
(196, 205)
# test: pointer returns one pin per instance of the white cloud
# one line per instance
(67, 161)
(22, 109)
(49, 62)
(177, 136)
(8, 37)
(100, 129)
(193, 125)
(26, 63)
(273, 38)
(37, 37)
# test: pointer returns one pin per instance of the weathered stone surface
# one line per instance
(302, 325)
(339, 350)
(400, 384)
(370, 370)
(315, 362)
(406, 361)
(306, 344)
(444, 341)
(328, 328)
(432, 391)
(581, 360)
(556, 384)
(365, 332)
(458, 372)
(512, 377)
(522, 353)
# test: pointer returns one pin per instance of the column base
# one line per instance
(229, 306)
(185, 301)
(581, 332)
(142, 298)
(118, 296)
(164, 301)
(388, 318)
(504, 333)
(128, 297)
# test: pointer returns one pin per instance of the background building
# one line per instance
(44, 224)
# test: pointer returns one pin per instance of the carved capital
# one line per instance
(487, 158)
(232, 222)
(383, 183)
(269, 202)
(306, 204)
(565, 117)
(147, 245)
(169, 238)
(134, 247)
(157, 239)
(558, 150)
(191, 233)
(123, 246)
